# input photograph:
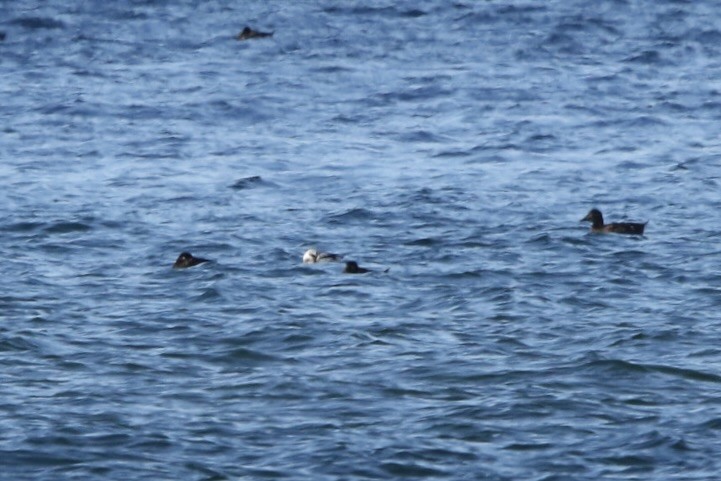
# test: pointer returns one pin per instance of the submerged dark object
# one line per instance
(248, 33)
(352, 267)
(186, 259)
(596, 218)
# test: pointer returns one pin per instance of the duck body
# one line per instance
(312, 256)
(597, 225)
(186, 259)
(352, 267)
(248, 33)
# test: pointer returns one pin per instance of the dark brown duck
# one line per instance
(352, 267)
(596, 218)
(186, 259)
(248, 33)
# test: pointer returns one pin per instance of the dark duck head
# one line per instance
(352, 267)
(186, 259)
(248, 32)
(596, 218)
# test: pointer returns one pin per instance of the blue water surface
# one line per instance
(451, 148)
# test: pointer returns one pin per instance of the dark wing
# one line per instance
(627, 228)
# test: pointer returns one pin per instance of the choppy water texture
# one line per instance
(456, 143)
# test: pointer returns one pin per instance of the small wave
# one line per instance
(470, 275)
(23, 227)
(210, 293)
(631, 367)
(16, 343)
(527, 446)
(411, 470)
(646, 121)
(38, 23)
(714, 424)
(424, 242)
(67, 227)
(356, 213)
(247, 182)
(421, 136)
(242, 353)
(452, 153)
(38, 459)
(382, 11)
(647, 57)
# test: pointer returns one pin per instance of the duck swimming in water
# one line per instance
(312, 256)
(186, 259)
(352, 267)
(596, 218)
(248, 33)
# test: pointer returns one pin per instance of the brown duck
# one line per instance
(352, 267)
(596, 218)
(248, 33)
(186, 259)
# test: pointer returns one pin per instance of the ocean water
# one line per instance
(455, 145)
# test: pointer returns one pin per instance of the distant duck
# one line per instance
(352, 267)
(596, 218)
(248, 33)
(186, 259)
(312, 256)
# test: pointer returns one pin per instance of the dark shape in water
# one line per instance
(351, 267)
(248, 33)
(186, 259)
(596, 218)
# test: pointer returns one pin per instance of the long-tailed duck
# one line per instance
(312, 256)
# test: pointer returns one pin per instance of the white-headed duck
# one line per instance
(312, 256)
